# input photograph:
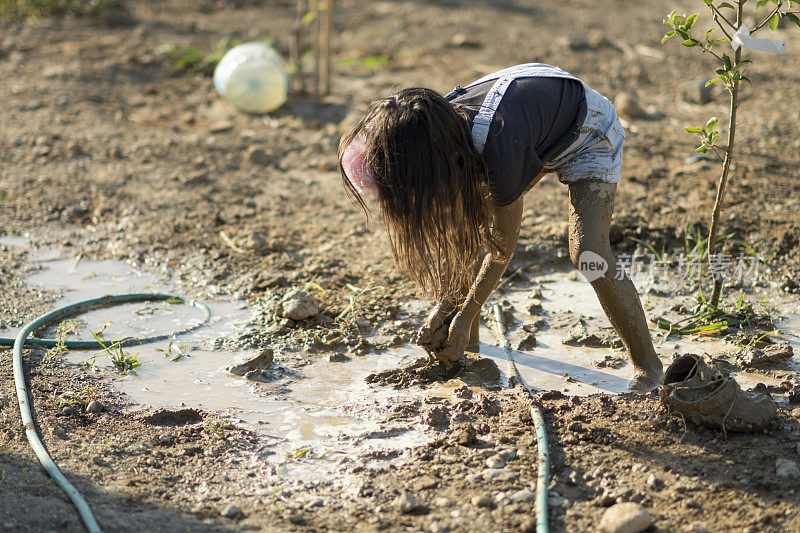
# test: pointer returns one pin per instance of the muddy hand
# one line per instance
(457, 338)
(435, 331)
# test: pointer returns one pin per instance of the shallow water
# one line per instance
(574, 370)
(326, 406)
(323, 405)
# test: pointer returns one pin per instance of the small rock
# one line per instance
(628, 106)
(94, 407)
(263, 359)
(231, 511)
(606, 499)
(508, 454)
(786, 468)
(425, 482)
(465, 436)
(442, 502)
(578, 43)
(481, 500)
(255, 242)
(258, 156)
(523, 496)
(492, 473)
(67, 410)
(698, 527)
(696, 91)
(99, 461)
(406, 503)
(166, 439)
(461, 40)
(295, 518)
(495, 462)
(298, 305)
(625, 518)
(653, 481)
(338, 358)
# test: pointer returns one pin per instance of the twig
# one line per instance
(717, 15)
(766, 19)
(230, 243)
(325, 53)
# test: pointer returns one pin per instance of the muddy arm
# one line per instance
(506, 221)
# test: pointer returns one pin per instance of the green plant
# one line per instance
(62, 330)
(730, 74)
(190, 60)
(122, 362)
(174, 351)
(21, 9)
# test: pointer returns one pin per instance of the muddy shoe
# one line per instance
(720, 403)
(689, 370)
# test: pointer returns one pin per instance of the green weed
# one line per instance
(122, 362)
(370, 62)
(174, 351)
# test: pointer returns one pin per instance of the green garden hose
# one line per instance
(22, 389)
(514, 379)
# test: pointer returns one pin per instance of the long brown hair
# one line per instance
(428, 176)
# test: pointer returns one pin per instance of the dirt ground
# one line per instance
(105, 152)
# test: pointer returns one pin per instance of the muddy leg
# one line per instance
(473, 345)
(591, 206)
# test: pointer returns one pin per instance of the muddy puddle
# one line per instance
(326, 409)
(566, 300)
(323, 409)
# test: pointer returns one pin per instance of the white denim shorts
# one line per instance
(596, 155)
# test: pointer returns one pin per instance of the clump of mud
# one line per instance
(173, 418)
(471, 370)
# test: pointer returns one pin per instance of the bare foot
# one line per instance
(645, 381)
(473, 348)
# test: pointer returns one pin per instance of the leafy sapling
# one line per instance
(735, 36)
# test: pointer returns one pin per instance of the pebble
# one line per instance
(523, 496)
(481, 500)
(165, 439)
(94, 407)
(625, 518)
(628, 106)
(298, 305)
(698, 527)
(495, 462)
(406, 503)
(231, 511)
(490, 473)
(442, 502)
(786, 468)
(258, 156)
(652, 481)
(338, 358)
(508, 454)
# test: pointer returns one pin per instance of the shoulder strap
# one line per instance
(483, 120)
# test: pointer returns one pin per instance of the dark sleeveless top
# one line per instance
(537, 119)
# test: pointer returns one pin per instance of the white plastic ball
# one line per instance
(253, 77)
